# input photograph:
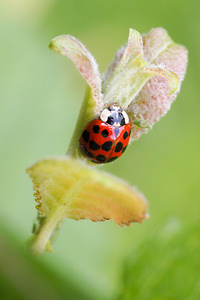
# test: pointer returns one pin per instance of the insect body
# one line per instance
(105, 139)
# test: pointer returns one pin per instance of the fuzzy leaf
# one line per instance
(81, 192)
(155, 98)
(132, 71)
(132, 49)
(122, 82)
(124, 86)
(67, 188)
(112, 66)
(171, 77)
(72, 48)
(155, 43)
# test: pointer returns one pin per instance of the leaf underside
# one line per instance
(70, 188)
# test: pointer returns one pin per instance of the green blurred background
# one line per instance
(40, 97)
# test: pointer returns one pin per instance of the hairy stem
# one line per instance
(40, 242)
(42, 239)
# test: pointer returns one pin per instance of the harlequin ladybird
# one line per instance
(105, 139)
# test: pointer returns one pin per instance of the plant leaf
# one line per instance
(155, 98)
(171, 77)
(67, 188)
(124, 86)
(133, 49)
(72, 48)
(120, 81)
(155, 43)
(81, 192)
(112, 66)
(132, 71)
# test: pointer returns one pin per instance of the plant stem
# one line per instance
(41, 240)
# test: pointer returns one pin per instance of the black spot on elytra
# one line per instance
(100, 158)
(96, 128)
(125, 135)
(86, 136)
(90, 155)
(124, 149)
(107, 146)
(94, 146)
(83, 149)
(118, 147)
(112, 158)
(105, 133)
(116, 131)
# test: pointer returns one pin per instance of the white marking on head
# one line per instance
(125, 117)
(104, 115)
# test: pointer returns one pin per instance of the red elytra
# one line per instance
(102, 143)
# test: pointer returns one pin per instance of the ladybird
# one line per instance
(105, 139)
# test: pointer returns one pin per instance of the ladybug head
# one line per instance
(114, 115)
